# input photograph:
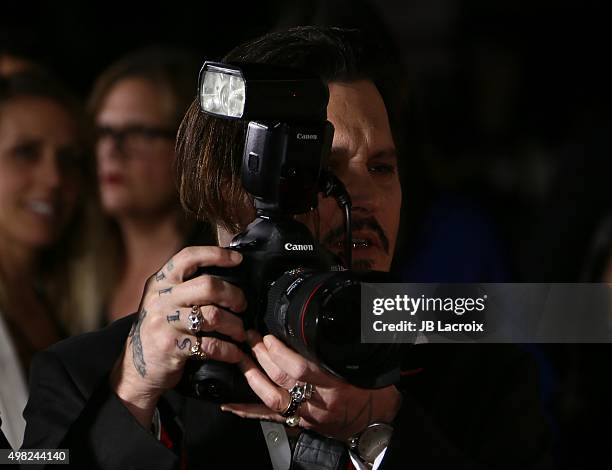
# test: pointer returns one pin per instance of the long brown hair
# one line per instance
(209, 150)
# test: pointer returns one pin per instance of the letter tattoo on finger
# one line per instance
(167, 290)
(175, 317)
(160, 276)
(186, 343)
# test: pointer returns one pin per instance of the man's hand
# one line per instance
(159, 344)
(336, 408)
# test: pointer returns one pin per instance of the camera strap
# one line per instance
(278, 444)
(312, 452)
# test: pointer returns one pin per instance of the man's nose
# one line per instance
(365, 195)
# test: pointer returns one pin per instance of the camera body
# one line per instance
(299, 292)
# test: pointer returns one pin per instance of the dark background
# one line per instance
(505, 108)
(505, 121)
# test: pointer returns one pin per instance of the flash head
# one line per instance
(256, 92)
(222, 91)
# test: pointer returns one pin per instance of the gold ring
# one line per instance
(196, 350)
(286, 412)
(292, 421)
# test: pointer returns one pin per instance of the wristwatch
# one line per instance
(370, 442)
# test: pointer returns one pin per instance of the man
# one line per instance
(104, 403)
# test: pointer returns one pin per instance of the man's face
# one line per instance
(363, 157)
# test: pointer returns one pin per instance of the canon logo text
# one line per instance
(307, 136)
(292, 247)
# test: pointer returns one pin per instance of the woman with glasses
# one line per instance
(43, 207)
(137, 105)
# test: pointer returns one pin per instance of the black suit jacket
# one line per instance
(4, 444)
(472, 406)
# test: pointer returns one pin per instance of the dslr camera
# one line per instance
(295, 288)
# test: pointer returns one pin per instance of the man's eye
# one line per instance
(26, 152)
(382, 168)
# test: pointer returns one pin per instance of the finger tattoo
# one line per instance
(185, 344)
(167, 290)
(160, 276)
(175, 317)
(170, 265)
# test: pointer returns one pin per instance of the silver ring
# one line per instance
(195, 319)
(297, 395)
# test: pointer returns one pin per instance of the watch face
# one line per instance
(373, 441)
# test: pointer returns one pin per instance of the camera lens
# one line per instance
(318, 314)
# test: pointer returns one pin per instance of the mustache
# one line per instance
(358, 224)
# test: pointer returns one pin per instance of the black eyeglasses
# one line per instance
(134, 139)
